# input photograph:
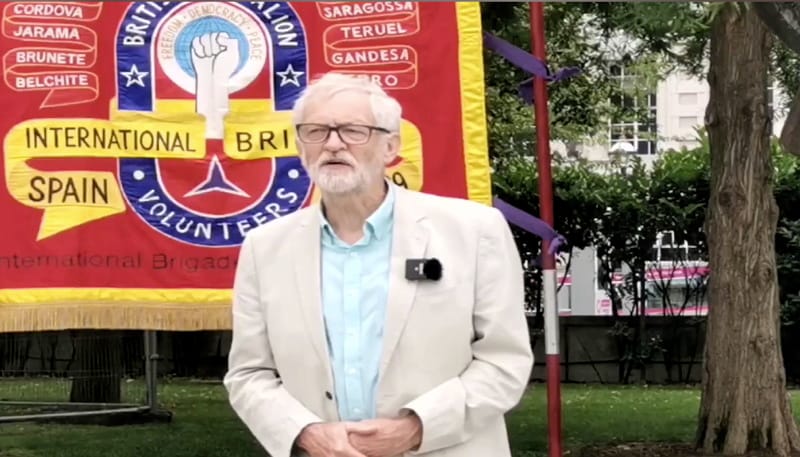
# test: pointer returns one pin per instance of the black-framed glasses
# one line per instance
(348, 133)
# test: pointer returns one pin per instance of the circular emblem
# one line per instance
(213, 57)
(179, 32)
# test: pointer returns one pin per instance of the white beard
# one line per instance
(341, 181)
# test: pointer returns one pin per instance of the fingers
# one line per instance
(213, 44)
(228, 43)
(345, 449)
(197, 47)
(361, 428)
(353, 452)
(213, 40)
(205, 43)
(202, 46)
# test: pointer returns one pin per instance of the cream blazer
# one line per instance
(455, 351)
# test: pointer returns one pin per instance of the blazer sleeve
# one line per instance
(255, 390)
(495, 380)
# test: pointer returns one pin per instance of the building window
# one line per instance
(687, 98)
(632, 129)
(688, 122)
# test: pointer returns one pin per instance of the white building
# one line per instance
(678, 106)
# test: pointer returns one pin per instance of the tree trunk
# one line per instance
(744, 403)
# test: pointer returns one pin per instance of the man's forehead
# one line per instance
(341, 104)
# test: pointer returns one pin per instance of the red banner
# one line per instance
(142, 140)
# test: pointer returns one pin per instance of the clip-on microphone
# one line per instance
(423, 270)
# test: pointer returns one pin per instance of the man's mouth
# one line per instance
(336, 162)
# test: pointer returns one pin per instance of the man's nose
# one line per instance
(334, 141)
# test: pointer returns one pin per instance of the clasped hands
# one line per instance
(369, 438)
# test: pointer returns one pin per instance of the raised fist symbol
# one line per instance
(215, 54)
(215, 57)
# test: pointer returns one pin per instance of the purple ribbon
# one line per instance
(531, 224)
(527, 62)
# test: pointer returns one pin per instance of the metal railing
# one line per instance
(78, 375)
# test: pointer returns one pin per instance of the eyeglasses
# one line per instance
(352, 134)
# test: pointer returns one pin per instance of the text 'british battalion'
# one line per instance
(139, 27)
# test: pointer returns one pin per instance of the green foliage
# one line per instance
(578, 34)
(787, 238)
(680, 186)
(620, 207)
(786, 70)
(652, 38)
(622, 204)
(580, 105)
(678, 32)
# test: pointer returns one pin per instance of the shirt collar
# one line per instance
(378, 224)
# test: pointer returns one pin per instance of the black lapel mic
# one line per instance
(423, 270)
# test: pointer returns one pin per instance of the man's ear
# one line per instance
(392, 148)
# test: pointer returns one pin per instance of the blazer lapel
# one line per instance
(409, 241)
(308, 269)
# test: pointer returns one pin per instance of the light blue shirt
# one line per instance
(355, 287)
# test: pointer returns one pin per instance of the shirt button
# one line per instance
(351, 371)
(353, 254)
(356, 410)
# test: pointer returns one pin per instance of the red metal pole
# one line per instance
(551, 328)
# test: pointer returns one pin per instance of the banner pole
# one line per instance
(151, 369)
(550, 303)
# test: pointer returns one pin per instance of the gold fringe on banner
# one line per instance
(31, 310)
(114, 316)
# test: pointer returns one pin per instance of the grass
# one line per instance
(593, 415)
(204, 425)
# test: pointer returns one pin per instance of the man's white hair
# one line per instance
(385, 109)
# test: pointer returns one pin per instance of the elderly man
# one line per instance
(381, 322)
